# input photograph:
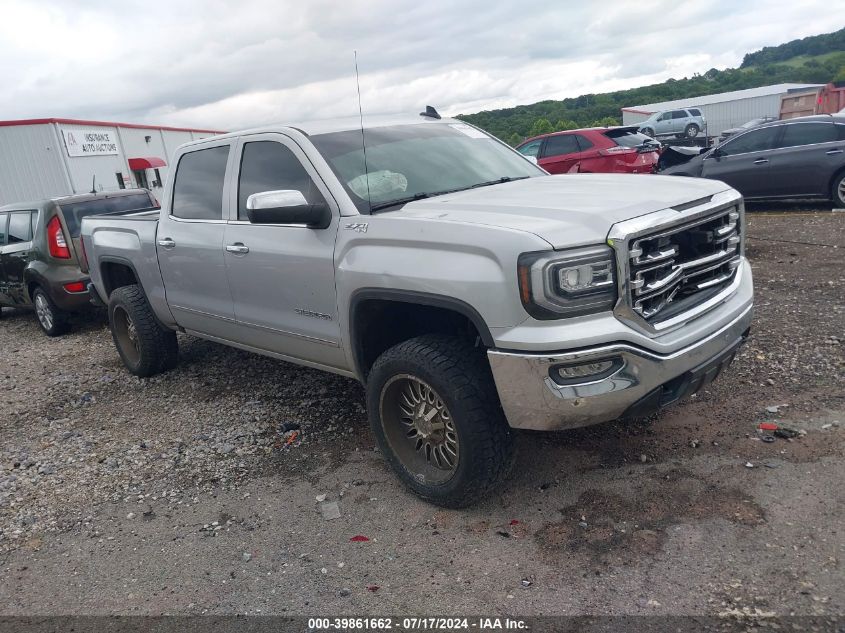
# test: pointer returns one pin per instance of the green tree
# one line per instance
(840, 76)
(566, 124)
(541, 126)
(608, 121)
(514, 139)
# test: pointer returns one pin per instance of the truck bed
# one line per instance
(128, 239)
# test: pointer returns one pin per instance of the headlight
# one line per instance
(559, 284)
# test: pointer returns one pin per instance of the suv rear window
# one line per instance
(695, 112)
(75, 211)
(627, 137)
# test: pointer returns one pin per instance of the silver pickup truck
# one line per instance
(468, 290)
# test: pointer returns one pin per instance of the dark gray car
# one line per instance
(40, 251)
(795, 158)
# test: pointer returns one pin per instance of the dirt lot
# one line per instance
(189, 493)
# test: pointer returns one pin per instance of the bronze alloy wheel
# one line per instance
(126, 334)
(419, 429)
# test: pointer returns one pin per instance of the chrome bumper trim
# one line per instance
(532, 400)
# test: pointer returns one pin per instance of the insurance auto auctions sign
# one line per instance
(90, 142)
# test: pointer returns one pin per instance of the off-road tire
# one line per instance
(460, 375)
(837, 190)
(691, 130)
(155, 348)
(51, 318)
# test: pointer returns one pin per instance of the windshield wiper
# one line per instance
(398, 201)
(421, 195)
(498, 181)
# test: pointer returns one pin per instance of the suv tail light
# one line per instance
(56, 239)
(619, 149)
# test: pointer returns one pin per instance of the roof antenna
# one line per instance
(363, 142)
(430, 112)
(94, 184)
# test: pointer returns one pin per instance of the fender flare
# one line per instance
(114, 259)
(411, 297)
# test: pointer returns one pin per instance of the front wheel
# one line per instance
(53, 320)
(436, 417)
(145, 347)
(648, 132)
(838, 190)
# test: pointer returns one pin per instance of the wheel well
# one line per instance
(379, 324)
(116, 275)
(30, 288)
(836, 175)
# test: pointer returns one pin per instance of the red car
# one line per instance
(605, 150)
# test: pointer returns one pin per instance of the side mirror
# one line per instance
(287, 206)
(717, 152)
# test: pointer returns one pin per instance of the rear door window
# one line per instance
(73, 212)
(796, 134)
(583, 142)
(198, 188)
(679, 114)
(20, 227)
(754, 141)
(560, 145)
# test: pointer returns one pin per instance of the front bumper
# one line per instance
(643, 382)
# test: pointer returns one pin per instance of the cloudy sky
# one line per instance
(237, 63)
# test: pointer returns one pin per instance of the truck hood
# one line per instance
(565, 210)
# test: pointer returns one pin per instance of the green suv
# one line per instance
(40, 251)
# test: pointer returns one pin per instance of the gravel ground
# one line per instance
(200, 491)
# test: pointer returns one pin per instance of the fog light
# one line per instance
(75, 286)
(584, 372)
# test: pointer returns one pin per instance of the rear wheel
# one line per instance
(436, 417)
(145, 347)
(838, 190)
(692, 130)
(53, 320)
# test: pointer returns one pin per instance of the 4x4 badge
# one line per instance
(359, 227)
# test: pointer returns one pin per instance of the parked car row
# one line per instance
(793, 158)
(40, 251)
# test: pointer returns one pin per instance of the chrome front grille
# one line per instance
(677, 268)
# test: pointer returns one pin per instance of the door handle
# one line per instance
(834, 151)
(237, 248)
(166, 243)
(761, 161)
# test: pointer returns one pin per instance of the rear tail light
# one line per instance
(76, 286)
(619, 149)
(56, 239)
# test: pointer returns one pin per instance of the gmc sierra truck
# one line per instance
(470, 292)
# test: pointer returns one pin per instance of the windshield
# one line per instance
(75, 211)
(407, 161)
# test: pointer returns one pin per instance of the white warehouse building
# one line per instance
(724, 110)
(45, 158)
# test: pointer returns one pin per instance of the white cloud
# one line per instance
(227, 65)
